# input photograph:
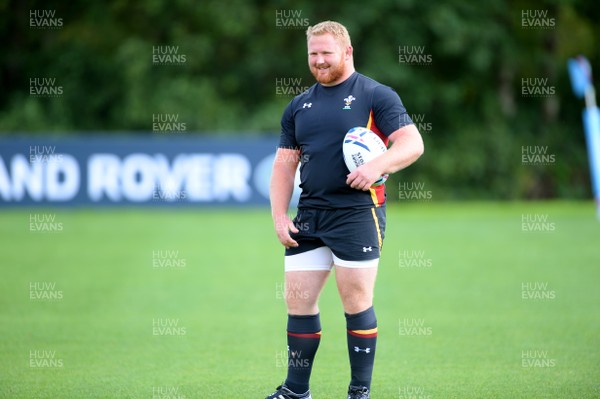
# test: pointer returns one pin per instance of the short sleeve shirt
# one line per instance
(316, 121)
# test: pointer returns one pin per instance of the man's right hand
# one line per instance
(283, 227)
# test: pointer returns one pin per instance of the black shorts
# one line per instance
(350, 234)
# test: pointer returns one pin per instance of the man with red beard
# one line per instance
(341, 218)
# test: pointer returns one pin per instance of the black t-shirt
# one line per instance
(316, 121)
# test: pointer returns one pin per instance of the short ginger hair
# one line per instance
(337, 30)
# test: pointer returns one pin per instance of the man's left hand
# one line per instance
(363, 177)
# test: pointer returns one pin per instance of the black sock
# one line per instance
(303, 337)
(362, 339)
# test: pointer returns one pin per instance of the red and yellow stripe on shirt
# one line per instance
(377, 193)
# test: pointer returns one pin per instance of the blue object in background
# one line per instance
(591, 123)
(580, 73)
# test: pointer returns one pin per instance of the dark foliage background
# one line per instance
(476, 121)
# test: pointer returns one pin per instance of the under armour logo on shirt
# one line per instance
(307, 105)
(367, 249)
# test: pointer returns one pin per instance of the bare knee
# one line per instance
(300, 300)
(298, 307)
(356, 300)
(302, 290)
(356, 288)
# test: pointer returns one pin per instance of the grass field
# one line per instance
(474, 301)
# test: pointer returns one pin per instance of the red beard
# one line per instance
(334, 73)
